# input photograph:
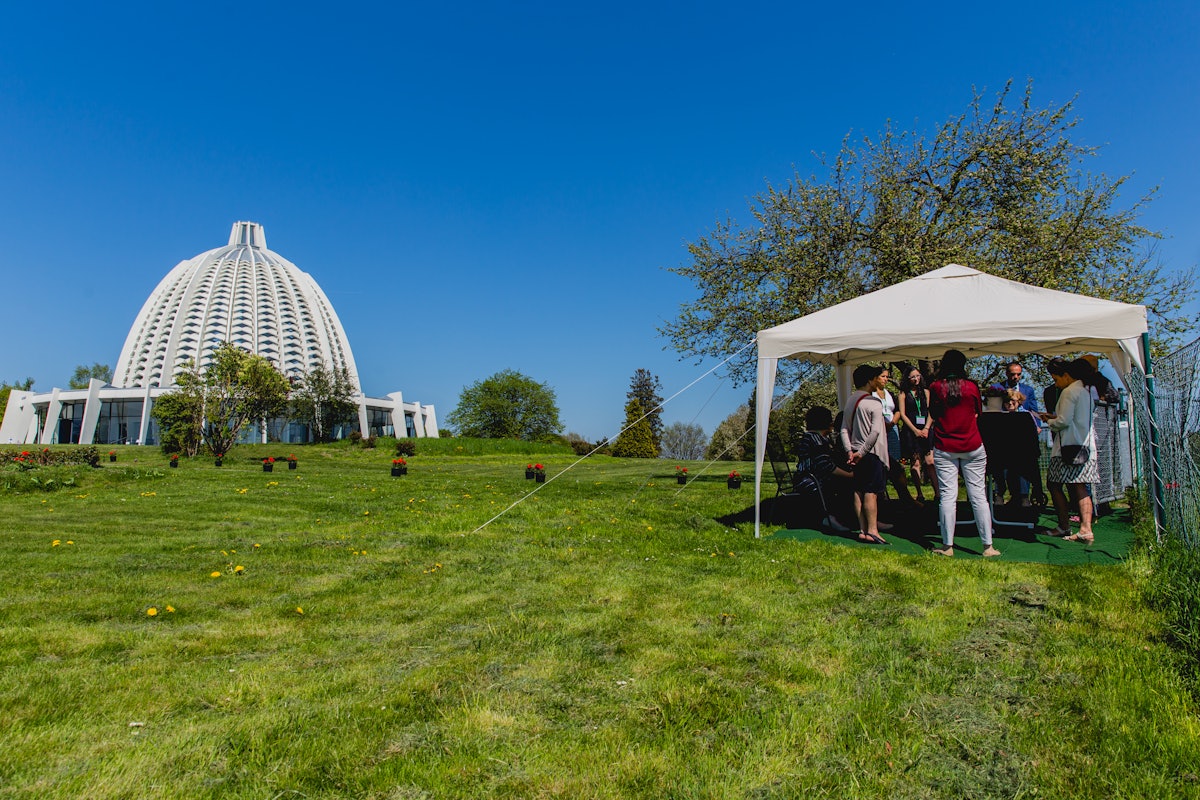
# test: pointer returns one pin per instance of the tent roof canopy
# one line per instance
(961, 308)
(952, 307)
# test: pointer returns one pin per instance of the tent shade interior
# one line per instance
(952, 307)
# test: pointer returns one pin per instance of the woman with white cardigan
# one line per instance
(1073, 460)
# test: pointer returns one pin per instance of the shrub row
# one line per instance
(45, 457)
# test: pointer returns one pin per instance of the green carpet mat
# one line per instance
(917, 532)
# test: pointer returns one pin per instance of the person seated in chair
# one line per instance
(817, 456)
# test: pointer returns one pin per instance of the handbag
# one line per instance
(1075, 454)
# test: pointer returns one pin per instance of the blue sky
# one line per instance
(482, 186)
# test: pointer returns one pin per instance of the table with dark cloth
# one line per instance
(1011, 442)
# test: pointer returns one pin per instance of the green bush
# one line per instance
(1174, 589)
(406, 447)
(1172, 584)
(370, 442)
(355, 437)
(29, 458)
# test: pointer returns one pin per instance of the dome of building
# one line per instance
(241, 293)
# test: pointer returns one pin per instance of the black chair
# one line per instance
(794, 488)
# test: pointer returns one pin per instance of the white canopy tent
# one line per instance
(952, 307)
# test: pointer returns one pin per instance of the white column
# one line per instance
(363, 427)
(20, 419)
(91, 412)
(397, 399)
(431, 426)
(418, 427)
(144, 424)
(52, 412)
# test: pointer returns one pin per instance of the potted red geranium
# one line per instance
(269, 464)
(291, 459)
(399, 467)
(681, 475)
(734, 481)
(175, 460)
(219, 459)
(539, 473)
(112, 455)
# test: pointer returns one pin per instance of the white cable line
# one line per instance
(571, 466)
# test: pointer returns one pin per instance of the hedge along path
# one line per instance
(551, 479)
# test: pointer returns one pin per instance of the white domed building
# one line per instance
(242, 293)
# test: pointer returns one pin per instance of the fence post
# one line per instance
(1155, 470)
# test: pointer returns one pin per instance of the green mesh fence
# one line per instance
(1176, 405)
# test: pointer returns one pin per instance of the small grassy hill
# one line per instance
(335, 632)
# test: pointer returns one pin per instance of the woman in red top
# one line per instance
(954, 403)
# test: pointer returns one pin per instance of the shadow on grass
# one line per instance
(916, 530)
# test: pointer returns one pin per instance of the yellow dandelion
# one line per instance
(215, 574)
(366, 513)
(224, 553)
(55, 543)
(170, 609)
(239, 569)
(152, 611)
(242, 491)
(649, 527)
(70, 542)
(299, 610)
(258, 545)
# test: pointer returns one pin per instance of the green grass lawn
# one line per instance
(335, 632)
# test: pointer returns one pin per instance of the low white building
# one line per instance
(242, 293)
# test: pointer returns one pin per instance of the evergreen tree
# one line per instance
(645, 387)
(636, 440)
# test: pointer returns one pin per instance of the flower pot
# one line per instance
(398, 471)
(112, 459)
(268, 467)
(733, 483)
(292, 465)
(540, 477)
(174, 465)
(681, 479)
(217, 462)
(529, 474)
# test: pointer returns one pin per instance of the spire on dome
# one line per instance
(248, 234)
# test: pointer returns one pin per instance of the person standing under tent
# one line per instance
(1056, 368)
(955, 404)
(895, 469)
(914, 421)
(1073, 460)
(865, 440)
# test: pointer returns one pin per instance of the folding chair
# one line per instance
(792, 486)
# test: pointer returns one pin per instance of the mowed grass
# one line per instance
(608, 637)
